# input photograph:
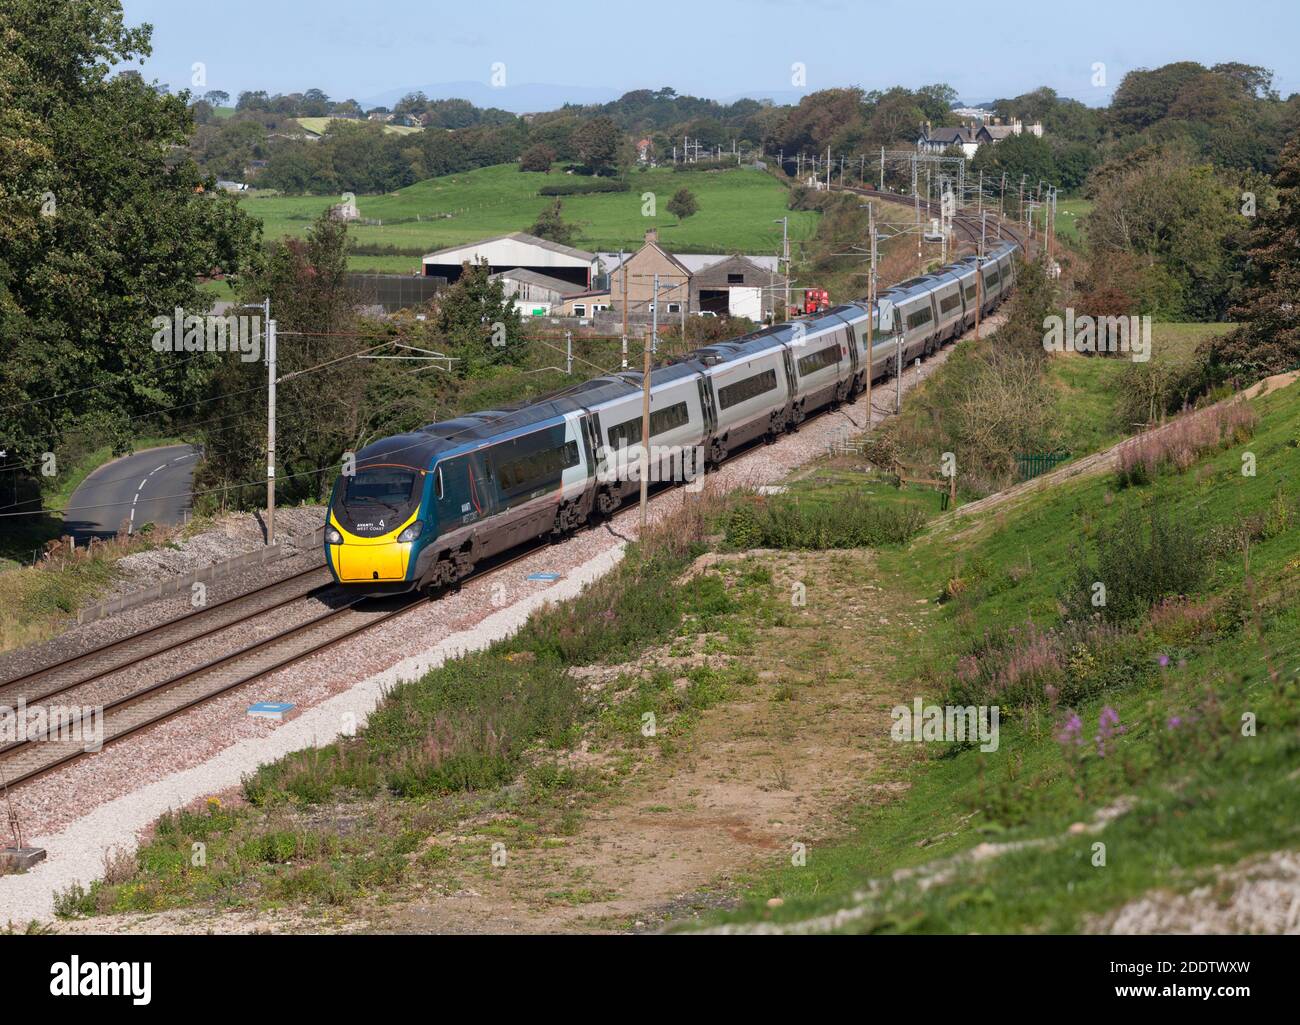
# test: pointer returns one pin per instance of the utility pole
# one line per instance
(828, 169)
(882, 168)
(622, 266)
(1001, 193)
(645, 406)
(871, 310)
(785, 256)
(981, 193)
(979, 282)
(270, 422)
(568, 352)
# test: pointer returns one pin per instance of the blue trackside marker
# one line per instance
(543, 576)
(270, 709)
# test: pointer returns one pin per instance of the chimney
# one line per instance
(652, 235)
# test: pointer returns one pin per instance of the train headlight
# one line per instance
(411, 533)
(333, 537)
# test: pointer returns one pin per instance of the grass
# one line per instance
(481, 738)
(1069, 212)
(736, 213)
(1200, 793)
(1087, 386)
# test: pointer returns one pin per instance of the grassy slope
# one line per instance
(736, 212)
(1215, 801)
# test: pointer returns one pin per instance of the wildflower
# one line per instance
(1107, 727)
(1072, 732)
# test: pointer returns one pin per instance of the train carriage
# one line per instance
(422, 508)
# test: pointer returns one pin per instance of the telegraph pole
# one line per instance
(270, 422)
(645, 407)
(882, 168)
(785, 255)
(979, 282)
(622, 266)
(871, 310)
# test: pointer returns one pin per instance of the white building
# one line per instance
(516, 251)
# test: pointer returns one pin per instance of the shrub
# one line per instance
(1183, 441)
(1139, 561)
(584, 186)
(849, 521)
(1029, 666)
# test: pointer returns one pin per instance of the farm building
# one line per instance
(516, 251)
(535, 294)
(719, 283)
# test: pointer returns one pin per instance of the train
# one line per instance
(420, 510)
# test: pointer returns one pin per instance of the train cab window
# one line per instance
(437, 484)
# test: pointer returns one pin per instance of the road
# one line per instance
(151, 486)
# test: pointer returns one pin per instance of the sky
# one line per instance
(715, 48)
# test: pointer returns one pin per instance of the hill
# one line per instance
(737, 213)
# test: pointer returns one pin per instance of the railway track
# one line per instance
(142, 706)
(66, 740)
(966, 225)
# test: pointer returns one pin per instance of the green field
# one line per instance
(1068, 214)
(737, 211)
(320, 125)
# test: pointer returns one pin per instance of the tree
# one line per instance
(316, 318)
(550, 225)
(683, 204)
(596, 143)
(1182, 220)
(104, 224)
(480, 322)
(1268, 339)
(217, 97)
(537, 157)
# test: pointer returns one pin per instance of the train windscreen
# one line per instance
(378, 499)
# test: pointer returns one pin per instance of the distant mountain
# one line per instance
(538, 96)
(518, 99)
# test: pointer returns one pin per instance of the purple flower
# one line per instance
(1107, 727)
(1174, 721)
(1072, 732)
(1163, 660)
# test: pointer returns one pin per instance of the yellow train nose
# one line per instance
(358, 563)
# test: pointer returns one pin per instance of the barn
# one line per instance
(516, 251)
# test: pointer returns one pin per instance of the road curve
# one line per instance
(150, 486)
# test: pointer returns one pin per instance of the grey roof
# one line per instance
(696, 262)
(531, 277)
(519, 236)
(949, 136)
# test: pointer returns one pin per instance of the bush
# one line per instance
(1028, 666)
(1139, 562)
(584, 186)
(1182, 442)
(847, 522)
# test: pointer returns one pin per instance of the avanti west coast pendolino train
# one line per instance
(423, 508)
